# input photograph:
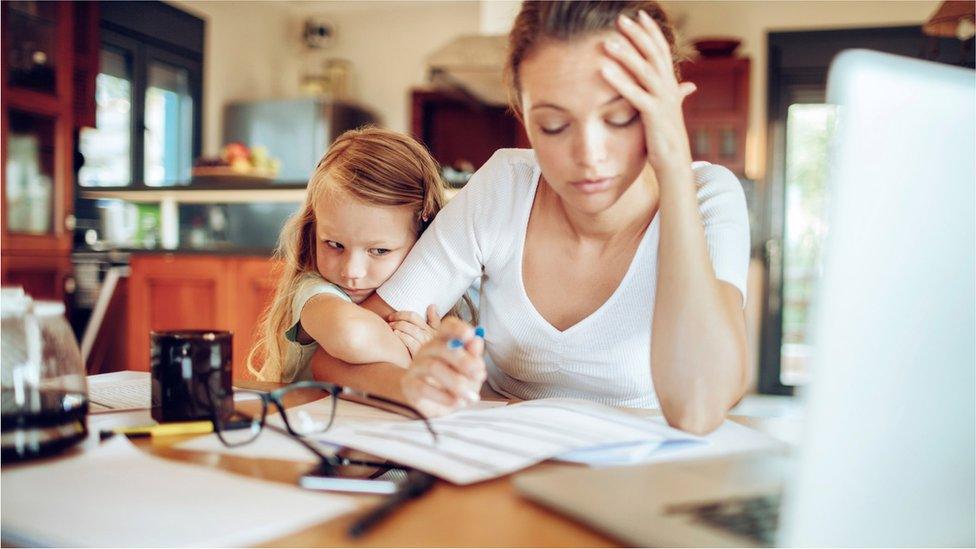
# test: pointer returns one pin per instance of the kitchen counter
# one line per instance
(210, 193)
(125, 253)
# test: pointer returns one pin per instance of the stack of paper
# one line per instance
(477, 445)
(128, 390)
(275, 445)
(115, 495)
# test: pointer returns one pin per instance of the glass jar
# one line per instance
(42, 378)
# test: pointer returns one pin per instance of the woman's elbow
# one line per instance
(697, 421)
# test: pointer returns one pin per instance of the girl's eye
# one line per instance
(380, 251)
(621, 122)
(333, 244)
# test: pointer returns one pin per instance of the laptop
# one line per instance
(887, 454)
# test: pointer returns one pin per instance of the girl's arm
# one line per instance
(351, 333)
(698, 354)
(439, 380)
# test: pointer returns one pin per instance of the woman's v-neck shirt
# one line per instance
(604, 357)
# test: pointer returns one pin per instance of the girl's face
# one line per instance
(359, 245)
(588, 139)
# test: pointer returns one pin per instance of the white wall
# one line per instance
(245, 43)
(751, 21)
(254, 51)
(388, 43)
(496, 16)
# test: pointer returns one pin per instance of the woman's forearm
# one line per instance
(698, 333)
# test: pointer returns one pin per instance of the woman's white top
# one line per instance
(606, 356)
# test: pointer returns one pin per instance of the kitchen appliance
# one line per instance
(296, 131)
(44, 392)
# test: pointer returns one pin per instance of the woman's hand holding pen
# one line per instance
(447, 372)
(643, 73)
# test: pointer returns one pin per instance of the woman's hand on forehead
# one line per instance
(642, 72)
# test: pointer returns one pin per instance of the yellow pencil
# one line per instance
(166, 429)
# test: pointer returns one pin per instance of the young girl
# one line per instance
(372, 194)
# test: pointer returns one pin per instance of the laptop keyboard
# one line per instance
(752, 517)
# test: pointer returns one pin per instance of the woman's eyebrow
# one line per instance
(564, 109)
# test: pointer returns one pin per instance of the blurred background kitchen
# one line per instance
(152, 150)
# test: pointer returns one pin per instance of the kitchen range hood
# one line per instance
(474, 64)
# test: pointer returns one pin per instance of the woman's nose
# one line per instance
(591, 147)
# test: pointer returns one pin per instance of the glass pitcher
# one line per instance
(42, 377)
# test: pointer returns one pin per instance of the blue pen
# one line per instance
(456, 343)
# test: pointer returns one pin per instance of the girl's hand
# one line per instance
(447, 371)
(412, 330)
(642, 73)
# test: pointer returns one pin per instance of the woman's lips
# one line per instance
(588, 186)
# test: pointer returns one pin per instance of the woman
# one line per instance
(612, 268)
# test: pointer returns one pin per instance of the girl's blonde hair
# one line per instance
(376, 166)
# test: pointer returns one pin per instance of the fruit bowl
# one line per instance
(223, 172)
(236, 163)
(716, 47)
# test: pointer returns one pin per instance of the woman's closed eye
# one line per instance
(623, 120)
(617, 121)
(553, 129)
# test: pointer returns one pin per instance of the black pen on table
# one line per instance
(416, 485)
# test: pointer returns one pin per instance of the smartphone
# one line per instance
(355, 478)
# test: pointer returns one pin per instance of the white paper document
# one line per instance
(730, 438)
(126, 390)
(478, 445)
(115, 495)
(274, 445)
(116, 391)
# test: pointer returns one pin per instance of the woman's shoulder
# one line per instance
(719, 190)
(508, 168)
(708, 174)
(512, 158)
(508, 175)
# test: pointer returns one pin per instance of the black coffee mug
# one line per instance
(191, 374)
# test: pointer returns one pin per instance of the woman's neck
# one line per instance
(631, 213)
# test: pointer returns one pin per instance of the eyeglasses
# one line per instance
(238, 428)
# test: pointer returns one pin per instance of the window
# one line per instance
(107, 148)
(809, 130)
(800, 128)
(168, 118)
(148, 98)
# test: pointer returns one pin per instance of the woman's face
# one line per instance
(588, 139)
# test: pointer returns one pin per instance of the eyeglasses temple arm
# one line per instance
(413, 411)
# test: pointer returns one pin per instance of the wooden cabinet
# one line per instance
(717, 115)
(459, 131)
(40, 111)
(255, 284)
(196, 292)
(41, 276)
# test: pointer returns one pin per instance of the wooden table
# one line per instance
(489, 513)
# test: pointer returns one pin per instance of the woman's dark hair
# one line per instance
(564, 21)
